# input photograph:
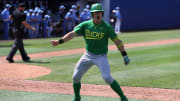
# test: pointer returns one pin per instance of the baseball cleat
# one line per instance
(26, 59)
(10, 60)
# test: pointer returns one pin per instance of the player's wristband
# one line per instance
(61, 41)
(124, 53)
(120, 45)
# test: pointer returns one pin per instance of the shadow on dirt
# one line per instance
(33, 61)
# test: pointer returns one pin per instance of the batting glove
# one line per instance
(126, 60)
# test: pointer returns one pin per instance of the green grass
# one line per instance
(43, 45)
(30, 96)
(156, 67)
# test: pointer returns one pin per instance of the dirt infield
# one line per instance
(12, 78)
(21, 71)
(90, 90)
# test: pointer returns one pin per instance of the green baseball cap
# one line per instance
(97, 7)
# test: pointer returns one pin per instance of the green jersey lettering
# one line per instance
(93, 35)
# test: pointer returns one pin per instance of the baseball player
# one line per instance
(88, 11)
(118, 20)
(84, 16)
(61, 17)
(96, 33)
(71, 18)
(29, 19)
(5, 15)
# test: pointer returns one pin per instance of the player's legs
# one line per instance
(77, 87)
(103, 65)
(13, 50)
(22, 51)
(81, 68)
(117, 26)
(6, 30)
(116, 87)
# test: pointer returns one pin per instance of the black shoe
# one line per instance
(10, 60)
(26, 59)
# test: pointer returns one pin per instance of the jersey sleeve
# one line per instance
(111, 34)
(3, 14)
(79, 29)
(67, 15)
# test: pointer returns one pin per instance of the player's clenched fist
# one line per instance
(54, 42)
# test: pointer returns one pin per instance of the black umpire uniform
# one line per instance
(18, 17)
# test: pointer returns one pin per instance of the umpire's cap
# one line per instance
(97, 7)
(22, 5)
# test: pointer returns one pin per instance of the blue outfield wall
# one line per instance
(148, 14)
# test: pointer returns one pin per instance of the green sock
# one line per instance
(116, 87)
(77, 87)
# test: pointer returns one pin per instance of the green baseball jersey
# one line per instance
(96, 35)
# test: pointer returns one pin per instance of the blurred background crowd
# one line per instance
(48, 20)
(133, 15)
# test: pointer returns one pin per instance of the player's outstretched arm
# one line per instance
(120, 46)
(66, 38)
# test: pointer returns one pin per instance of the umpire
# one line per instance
(19, 23)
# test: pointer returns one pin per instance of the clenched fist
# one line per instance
(54, 42)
